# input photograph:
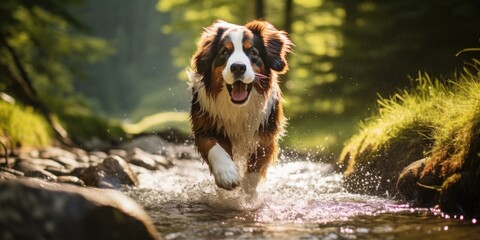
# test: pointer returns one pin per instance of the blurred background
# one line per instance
(126, 60)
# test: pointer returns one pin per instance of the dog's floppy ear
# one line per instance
(276, 44)
(202, 60)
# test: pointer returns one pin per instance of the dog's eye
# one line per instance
(253, 52)
(225, 52)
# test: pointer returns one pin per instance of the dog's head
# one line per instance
(240, 58)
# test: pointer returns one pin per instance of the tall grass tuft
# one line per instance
(437, 119)
(22, 127)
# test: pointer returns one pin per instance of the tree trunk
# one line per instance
(287, 27)
(288, 16)
(259, 9)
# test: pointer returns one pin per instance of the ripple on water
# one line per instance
(298, 200)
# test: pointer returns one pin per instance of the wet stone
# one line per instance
(54, 152)
(11, 171)
(40, 173)
(71, 180)
(152, 144)
(4, 175)
(42, 163)
(163, 161)
(58, 171)
(35, 209)
(150, 161)
(119, 152)
(11, 161)
(113, 172)
(81, 155)
(67, 162)
(96, 156)
(143, 161)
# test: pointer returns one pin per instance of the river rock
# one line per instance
(143, 160)
(37, 162)
(416, 187)
(40, 173)
(151, 143)
(81, 155)
(35, 209)
(4, 175)
(53, 152)
(11, 171)
(67, 162)
(77, 172)
(119, 152)
(71, 180)
(97, 156)
(111, 173)
(149, 161)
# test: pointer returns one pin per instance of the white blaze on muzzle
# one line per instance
(238, 57)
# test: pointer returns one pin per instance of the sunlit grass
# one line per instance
(160, 122)
(23, 127)
(445, 112)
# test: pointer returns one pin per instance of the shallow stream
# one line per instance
(299, 200)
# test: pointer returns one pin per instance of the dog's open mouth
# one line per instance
(239, 91)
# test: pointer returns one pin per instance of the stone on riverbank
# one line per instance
(436, 122)
(35, 209)
(113, 172)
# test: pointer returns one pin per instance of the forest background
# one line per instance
(126, 60)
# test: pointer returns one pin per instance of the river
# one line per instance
(299, 200)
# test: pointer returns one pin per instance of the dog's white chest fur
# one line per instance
(239, 123)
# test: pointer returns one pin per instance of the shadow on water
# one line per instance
(300, 200)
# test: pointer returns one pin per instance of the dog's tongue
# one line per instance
(239, 91)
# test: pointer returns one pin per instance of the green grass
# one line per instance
(444, 113)
(437, 120)
(22, 127)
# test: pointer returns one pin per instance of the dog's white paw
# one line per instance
(223, 168)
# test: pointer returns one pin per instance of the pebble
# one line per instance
(71, 180)
(40, 173)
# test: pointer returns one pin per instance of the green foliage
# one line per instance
(86, 126)
(21, 126)
(52, 52)
(346, 53)
(447, 112)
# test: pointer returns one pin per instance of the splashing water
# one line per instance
(299, 200)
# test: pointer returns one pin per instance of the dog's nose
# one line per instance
(238, 68)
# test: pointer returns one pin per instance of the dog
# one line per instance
(236, 108)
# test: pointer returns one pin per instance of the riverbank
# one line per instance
(423, 146)
(71, 188)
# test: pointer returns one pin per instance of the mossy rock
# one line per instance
(376, 170)
(423, 147)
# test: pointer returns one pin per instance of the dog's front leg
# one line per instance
(223, 169)
(218, 155)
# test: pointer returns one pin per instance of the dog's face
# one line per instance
(240, 58)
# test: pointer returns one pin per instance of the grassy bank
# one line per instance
(437, 120)
(22, 127)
